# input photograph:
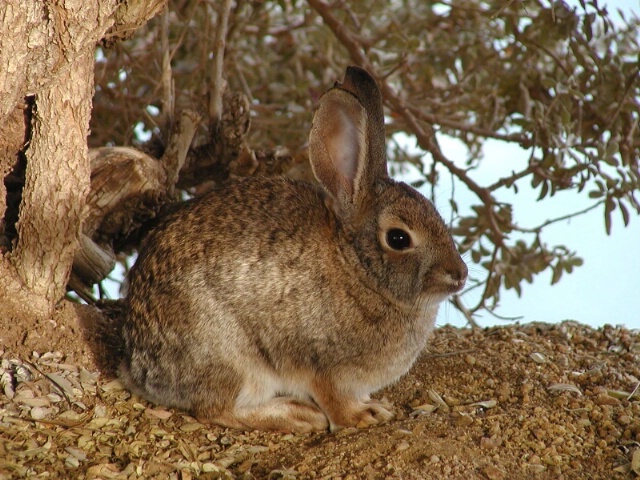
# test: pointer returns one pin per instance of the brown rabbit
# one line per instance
(274, 304)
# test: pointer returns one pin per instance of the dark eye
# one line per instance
(398, 239)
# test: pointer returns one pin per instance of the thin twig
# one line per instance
(504, 317)
(494, 258)
(216, 79)
(83, 420)
(558, 219)
(519, 138)
(634, 391)
(502, 9)
(524, 41)
(449, 354)
(166, 81)
(48, 377)
(178, 142)
(468, 315)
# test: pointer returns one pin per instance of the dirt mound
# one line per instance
(535, 401)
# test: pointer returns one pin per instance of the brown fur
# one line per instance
(273, 304)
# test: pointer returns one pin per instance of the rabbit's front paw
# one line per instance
(362, 414)
(374, 412)
(345, 409)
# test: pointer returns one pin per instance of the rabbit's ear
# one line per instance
(347, 142)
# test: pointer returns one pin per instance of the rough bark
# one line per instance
(12, 131)
(57, 181)
(47, 51)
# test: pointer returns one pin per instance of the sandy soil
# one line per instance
(536, 401)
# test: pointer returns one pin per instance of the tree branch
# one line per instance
(523, 140)
(216, 79)
(539, 228)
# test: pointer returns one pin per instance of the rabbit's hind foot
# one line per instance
(281, 414)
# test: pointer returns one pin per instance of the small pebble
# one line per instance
(402, 446)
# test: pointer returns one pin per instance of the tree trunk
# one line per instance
(47, 51)
(57, 181)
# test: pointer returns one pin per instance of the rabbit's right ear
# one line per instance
(347, 143)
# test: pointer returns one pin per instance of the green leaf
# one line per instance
(536, 180)
(587, 26)
(609, 207)
(511, 281)
(493, 286)
(625, 212)
(575, 261)
(610, 153)
(413, 43)
(544, 190)
(522, 122)
(565, 115)
(557, 273)
(548, 83)
(549, 160)
(576, 94)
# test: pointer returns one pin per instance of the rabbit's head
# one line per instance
(400, 240)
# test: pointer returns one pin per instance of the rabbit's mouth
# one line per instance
(441, 292)
(436, 294)
(457, 285)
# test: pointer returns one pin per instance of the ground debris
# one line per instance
(534, 401)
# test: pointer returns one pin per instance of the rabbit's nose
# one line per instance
(458, 272)
(462, 272)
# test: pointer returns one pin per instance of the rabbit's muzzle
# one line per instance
(451, 275)
(458, 276)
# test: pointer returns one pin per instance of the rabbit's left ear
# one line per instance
(347, 141)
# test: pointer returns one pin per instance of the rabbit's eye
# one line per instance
(398, 239)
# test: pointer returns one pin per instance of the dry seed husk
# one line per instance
(635, 461)
(485, 404)
(191, 427)
(538, 357)
(438, 400)
(564, 387)
(158, 413)
(426, 408)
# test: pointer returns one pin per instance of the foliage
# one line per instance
(560, 82)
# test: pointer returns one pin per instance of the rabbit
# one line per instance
(275, 304)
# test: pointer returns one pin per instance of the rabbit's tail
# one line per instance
(102, 330)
